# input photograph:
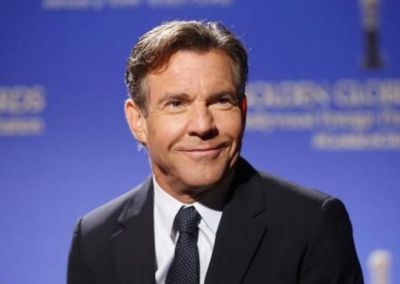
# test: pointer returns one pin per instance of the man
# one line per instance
(205, 215)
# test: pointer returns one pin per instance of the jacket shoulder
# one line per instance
(107, 216)
(282, 189)
(301, 207)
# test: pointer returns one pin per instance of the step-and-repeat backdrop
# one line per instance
(324, 112)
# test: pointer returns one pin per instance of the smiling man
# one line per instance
(205, 215)
(193, 124)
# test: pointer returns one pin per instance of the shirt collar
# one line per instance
(169, 207)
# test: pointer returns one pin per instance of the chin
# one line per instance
(201, 179)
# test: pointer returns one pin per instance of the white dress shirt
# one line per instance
(165, 209)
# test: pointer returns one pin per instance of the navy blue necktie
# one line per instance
(185, 267)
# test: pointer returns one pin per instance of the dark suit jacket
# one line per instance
(270, 232)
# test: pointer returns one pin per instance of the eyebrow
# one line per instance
(185, 96)
(221, 94)
(171, 96)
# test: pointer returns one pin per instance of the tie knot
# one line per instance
(187, 220)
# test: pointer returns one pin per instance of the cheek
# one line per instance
(165, 131)
(231, 125)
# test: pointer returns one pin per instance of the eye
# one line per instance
(225, 102)
(174, 103)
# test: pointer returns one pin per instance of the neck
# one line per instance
(211, 196)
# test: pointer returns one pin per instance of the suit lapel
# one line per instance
(133, 245)
(241, 229)
(240, 232)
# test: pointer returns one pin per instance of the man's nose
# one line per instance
(202, 122)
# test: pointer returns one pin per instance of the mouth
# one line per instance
(203, 152)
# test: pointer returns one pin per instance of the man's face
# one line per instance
(194, 124)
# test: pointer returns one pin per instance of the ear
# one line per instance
(136, 121)
(243, 105)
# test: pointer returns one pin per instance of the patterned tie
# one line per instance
(185, 266)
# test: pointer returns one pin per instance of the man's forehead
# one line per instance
(184, 64)
(165, 63)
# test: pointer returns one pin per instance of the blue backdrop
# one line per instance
(324, 112)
